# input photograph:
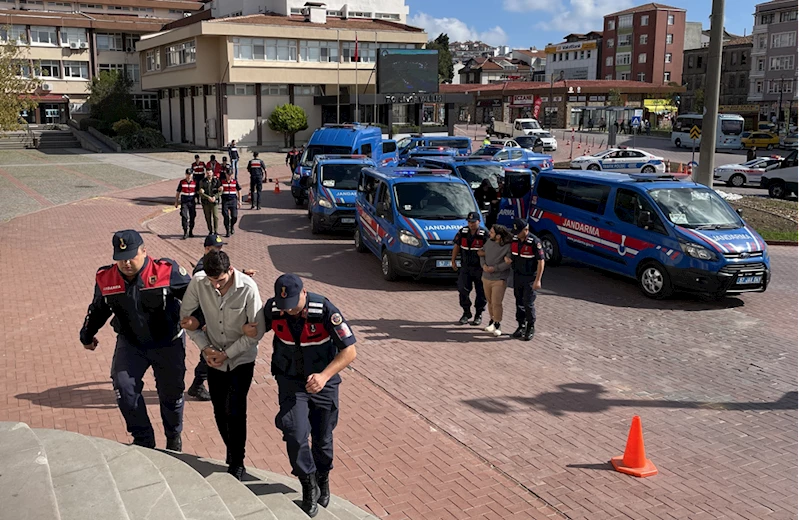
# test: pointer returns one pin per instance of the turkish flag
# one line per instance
(356, 47)
(536, 107)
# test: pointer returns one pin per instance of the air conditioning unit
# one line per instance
(47, 87)
(84, 45)
(73, 45)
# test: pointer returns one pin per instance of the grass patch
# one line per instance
(790, 236)
(774, 219)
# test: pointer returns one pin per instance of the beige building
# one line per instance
(220, 79)
(67, 43)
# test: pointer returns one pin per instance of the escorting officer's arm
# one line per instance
(539, 255)
(177, 195)
(96, 316)
(252, 308)
(456, 250)
(179, 280)
(343, 338)
(191, 303)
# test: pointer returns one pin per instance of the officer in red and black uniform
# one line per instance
(527, 260)
(231, 202)
(468, 242)
(144, 296)
(198, 169)
(257, 170)
(312, 344)
(186, 199)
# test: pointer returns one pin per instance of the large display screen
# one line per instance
(407, 71)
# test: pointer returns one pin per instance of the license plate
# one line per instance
(747, 280)
(348, 220)
(447, 263)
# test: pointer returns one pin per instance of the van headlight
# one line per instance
(325, 203)
(697, 251)
(409, 239)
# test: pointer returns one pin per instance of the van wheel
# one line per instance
(298, 201)
(776, 190)
(678, 143)
(359, 246)
(593, 167)
(551, 249)
(387, 266)
(737, 180)
(654, 281)
(316, 226)
(648, 169)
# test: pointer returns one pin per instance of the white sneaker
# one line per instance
(497, 332)
(490, 327)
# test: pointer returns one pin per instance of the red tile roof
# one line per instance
(593, 85)
(538, 53)
(652, 6)
(359, 24)
(743, 40)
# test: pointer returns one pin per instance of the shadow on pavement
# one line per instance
(82, 395)
(436, 332)
(586, 398)
(155, 201)
(607, 466)
(206, 467)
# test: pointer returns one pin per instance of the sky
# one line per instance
(527, 23)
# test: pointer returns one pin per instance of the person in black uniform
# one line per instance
(257, 170)
(293, 159)
(527, 261)
(144, 296)
(231, 202)
(468, 241)
(488, 198)
(311, 345)
(186, 199)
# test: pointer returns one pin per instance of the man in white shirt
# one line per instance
(229, 299)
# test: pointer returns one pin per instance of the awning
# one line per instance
(659, 106)
(45, 98)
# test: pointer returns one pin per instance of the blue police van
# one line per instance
(429, 151)
(331, 191)
(665, 233)
(341, 139)
(408, 218)
(461, 143)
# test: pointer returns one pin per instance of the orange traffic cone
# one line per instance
(634, 461)
(277, 187)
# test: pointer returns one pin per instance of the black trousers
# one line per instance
(230, 212)
(188, 212)
(301, 415)
(201, 371)
(127, 372)
(468, 277)
(229, 391)
(525, 298)
(255, 192)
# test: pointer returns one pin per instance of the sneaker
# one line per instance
(465, 318)
(529, 332)
(198, 391)
(497, 331)
(478, 319)
(519, 332)
(490, 327)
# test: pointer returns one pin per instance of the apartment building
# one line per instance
(773, 73)
(391, 10)
(644, 43)
(535, 58)
(579, 56)
(67, 43)
(493, 70)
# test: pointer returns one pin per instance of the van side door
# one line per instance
(384, 211)
(639, 227)
(367, 218)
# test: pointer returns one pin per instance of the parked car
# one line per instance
(789, 142)
(505, 143)
(781, 182)
(747, 173)
(620, 159)
(531, 142)
(765, 140)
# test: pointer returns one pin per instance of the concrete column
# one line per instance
(258, 115)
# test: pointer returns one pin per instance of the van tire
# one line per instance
(316, 226)
(551, 249)
(737, 180)
(678, 143)
(298, 201)
(387, 266)
(777, 190)
(654, 281)
(359, 246)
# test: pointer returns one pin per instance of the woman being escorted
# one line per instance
(495, 273)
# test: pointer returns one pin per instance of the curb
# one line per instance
(781, 243)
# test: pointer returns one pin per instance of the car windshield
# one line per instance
(525, 141)
(601, 153)
(474, 174)
(487, 151)
(434, 200)
(754, 163)
(316, 149)
(451, 143)
(696, 208)
(530, 125)
(544, 135)
(341, 176)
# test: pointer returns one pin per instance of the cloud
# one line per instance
(457, 30)
(569, 15)
(520, 6)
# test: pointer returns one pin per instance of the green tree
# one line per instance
(699, 101)
(110, 99)
(614, 98)
(16, 86)
(288, 119)
(446, 69)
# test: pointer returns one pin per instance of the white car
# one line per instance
(505, 143)
(624, 160)
(549, 141)
(747, 173)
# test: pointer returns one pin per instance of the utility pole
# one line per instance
(707, 147)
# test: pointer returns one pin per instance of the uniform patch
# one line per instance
(343, 331)
(183, 271)
(336, 319)
(122, 244)
(283, 293)
(153, 279)
(538, 245)
(312, 327)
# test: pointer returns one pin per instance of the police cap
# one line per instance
(213, 240)
(518, 225)
(288, 288)
(126, 244)
(473, 216)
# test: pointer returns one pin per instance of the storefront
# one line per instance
(51, 109)
(750, 114)
(487, 108)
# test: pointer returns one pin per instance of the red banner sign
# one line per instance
(536, 107)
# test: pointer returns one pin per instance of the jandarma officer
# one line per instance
(527, 259)
(468, 242)
(311, 345)
(186, 198)
(144, 296)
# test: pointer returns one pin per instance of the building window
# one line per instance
(766, 19)
(699, 62)
(759, 86)
(786, 39)
(153, 60)
(566, 54)
(306, 90)
(109, 42)
(624, 76)
(49, 69)
(132, 72)
(240, 90)
(14, 33)
(112, 67)
(643, 39)
(334, 14)
(642, 58)
(743, 58)
(609, 76)
(788, 16)
(318, 51)
(387, 16)
(731, 82)
(611, 25)
(146, 102)
(249, 48)
(667, 58)
(781, 63)
(91, 6)
(625, 21)
(360, 14)
(742, 81)
(281, 50)
(761, 64)
(610, 43)
(588, 55)
(118, 8)
(670, 19)
(623, 58)
(762, 41)
(181, 54)
(43, 35)
(625, 40)
(733, 58)
(274, 90)
(582, 55)
(666, 77)
(130, 42)
(645, 19)
(690, 62)
(609, 61)
(142, 9)
(366, 52)
(669, 39)
(642, 76)
(73, 35)
(76, 69)
(23, 68)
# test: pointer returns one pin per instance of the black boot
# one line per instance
(144, 443)
(232, 229)
(174, 443)
(529, 332)
(310, 495)
(197, 390)
(237, 470)
(478, 319)
(191, 233)
(323, 479)
(467, 315)
(227, 233)
(519, 331)
(185, 234)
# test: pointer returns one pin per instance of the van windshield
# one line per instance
(341, 176)
(530, 125)
(461, 144)
(475, 174)
(434, 200)
(318, 149)
(696, 208)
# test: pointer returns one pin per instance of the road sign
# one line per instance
(636, 121)
(695, 132)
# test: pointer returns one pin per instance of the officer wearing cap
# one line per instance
(144, 296)
(257, 170)
(527, 261)
(311, 345)
(198, 169)
(186, 199)
(231, 202)
(468, 241)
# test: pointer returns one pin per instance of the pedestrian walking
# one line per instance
(209, 190)
(312, 343)
(488, 198)
(224, 167)
(580, 125)
(468, 241)
(590, 124)
(143, 294)
(231, 202)
(648, 127)
(527, 261)
(602, 124)
(751, 154)
(228, 299)
(186, 199)
(233, 153)
(215, 166)
(257, 170)
(293, 159)
(495, 274)
(198, 169)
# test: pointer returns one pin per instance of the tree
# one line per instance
(699, 101)
(110, 99)
(288, 119)
(614, 98)
(17, 85)
(445, 68)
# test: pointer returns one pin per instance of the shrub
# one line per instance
(89, 122)
(126, 127)
(143, 138)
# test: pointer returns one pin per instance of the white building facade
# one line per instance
(391, 10)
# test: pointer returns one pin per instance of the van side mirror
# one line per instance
(644, 219)
(740, 212)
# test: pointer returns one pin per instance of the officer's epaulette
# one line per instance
(165, 261)
(465, 228)
(105, 268)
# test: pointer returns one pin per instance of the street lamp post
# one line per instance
(549, 116)
(780, 117)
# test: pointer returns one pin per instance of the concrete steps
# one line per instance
(59, 475)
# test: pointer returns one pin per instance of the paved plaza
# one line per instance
(437, 421)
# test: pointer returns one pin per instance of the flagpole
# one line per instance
(356, 78)
(338, 76)
(374, 94)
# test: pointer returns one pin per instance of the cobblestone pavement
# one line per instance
(441, 421)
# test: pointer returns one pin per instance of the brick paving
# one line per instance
(440, 421)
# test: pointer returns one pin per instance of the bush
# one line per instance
(287, 119)
(143, 138)
(89, 122)
(126, 127)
